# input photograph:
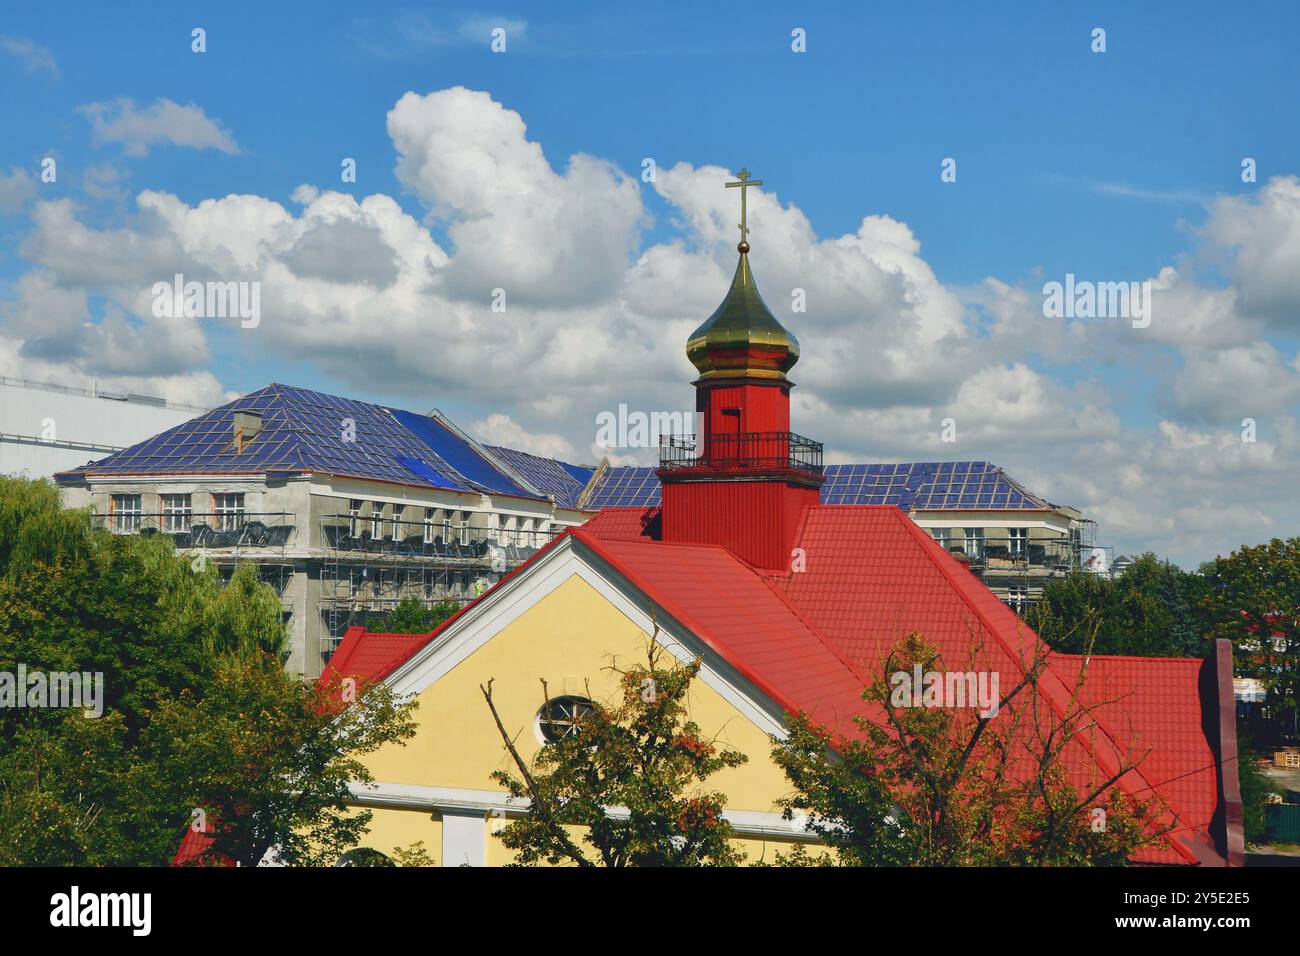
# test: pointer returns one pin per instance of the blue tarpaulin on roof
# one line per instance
(456, 452)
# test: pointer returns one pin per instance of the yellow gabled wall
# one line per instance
(570, 637)
(392, 828)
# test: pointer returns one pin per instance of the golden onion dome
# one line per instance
(742, 339)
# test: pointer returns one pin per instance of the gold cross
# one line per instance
(744, 183)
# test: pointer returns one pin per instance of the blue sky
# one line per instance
(1112, 166)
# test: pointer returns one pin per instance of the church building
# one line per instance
(791, 603)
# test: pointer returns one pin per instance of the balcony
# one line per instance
(192, 529)
(779, 452)
(381, 538)
(994, 554)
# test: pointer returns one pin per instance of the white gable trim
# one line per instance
(486, 618)
(463, 802)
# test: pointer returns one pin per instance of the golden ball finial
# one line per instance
(742, 247)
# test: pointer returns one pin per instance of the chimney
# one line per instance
(247, 425)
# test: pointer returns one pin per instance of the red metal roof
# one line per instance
(1156, 703)
(621, 524)
(193, 850)
(871, 577)
(372, 656)
(735, 611)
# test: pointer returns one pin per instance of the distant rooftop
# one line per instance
(912, 486)
(101, 393)
(305, 432)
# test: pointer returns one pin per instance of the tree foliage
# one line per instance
(623, 788)
(410, 616)
(1253, 599)
(196, 705)
(1151, 610)
(1256, 788)
(946, 786)
(268, 760)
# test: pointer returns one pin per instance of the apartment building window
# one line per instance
(1018, 539)
(354, 517)
(446, 527)
(941, 535)
(376, 520)
(356, 582)
(428, 526)
(1017, 597)
(975, 543)
(126, 510)
(464, 527)
(229, 510)
(397, 521)
(178, 513)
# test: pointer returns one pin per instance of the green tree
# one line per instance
(410, 616)
(627, 777)
(268, 759)
(1256, 788)
(166, 636)
(949, 786)
(1151, 610)
(1253, 599)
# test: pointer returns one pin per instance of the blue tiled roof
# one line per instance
(928, 486)
(625, 487)
(919, 486)
(559, 478)
(304, 432)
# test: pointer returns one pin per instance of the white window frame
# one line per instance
(1017, 542)
(398, 511)
(354, 517)
(177, 513)
(228, 510)
(428, 526)
(126, 510)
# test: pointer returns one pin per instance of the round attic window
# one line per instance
(560, 717)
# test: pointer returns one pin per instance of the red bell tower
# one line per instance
(745, 481)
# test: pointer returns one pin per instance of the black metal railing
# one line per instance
(215, 529)
(745, 451)
(1007, 553)
(430, 539)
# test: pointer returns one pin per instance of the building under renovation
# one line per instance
(347, 507)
